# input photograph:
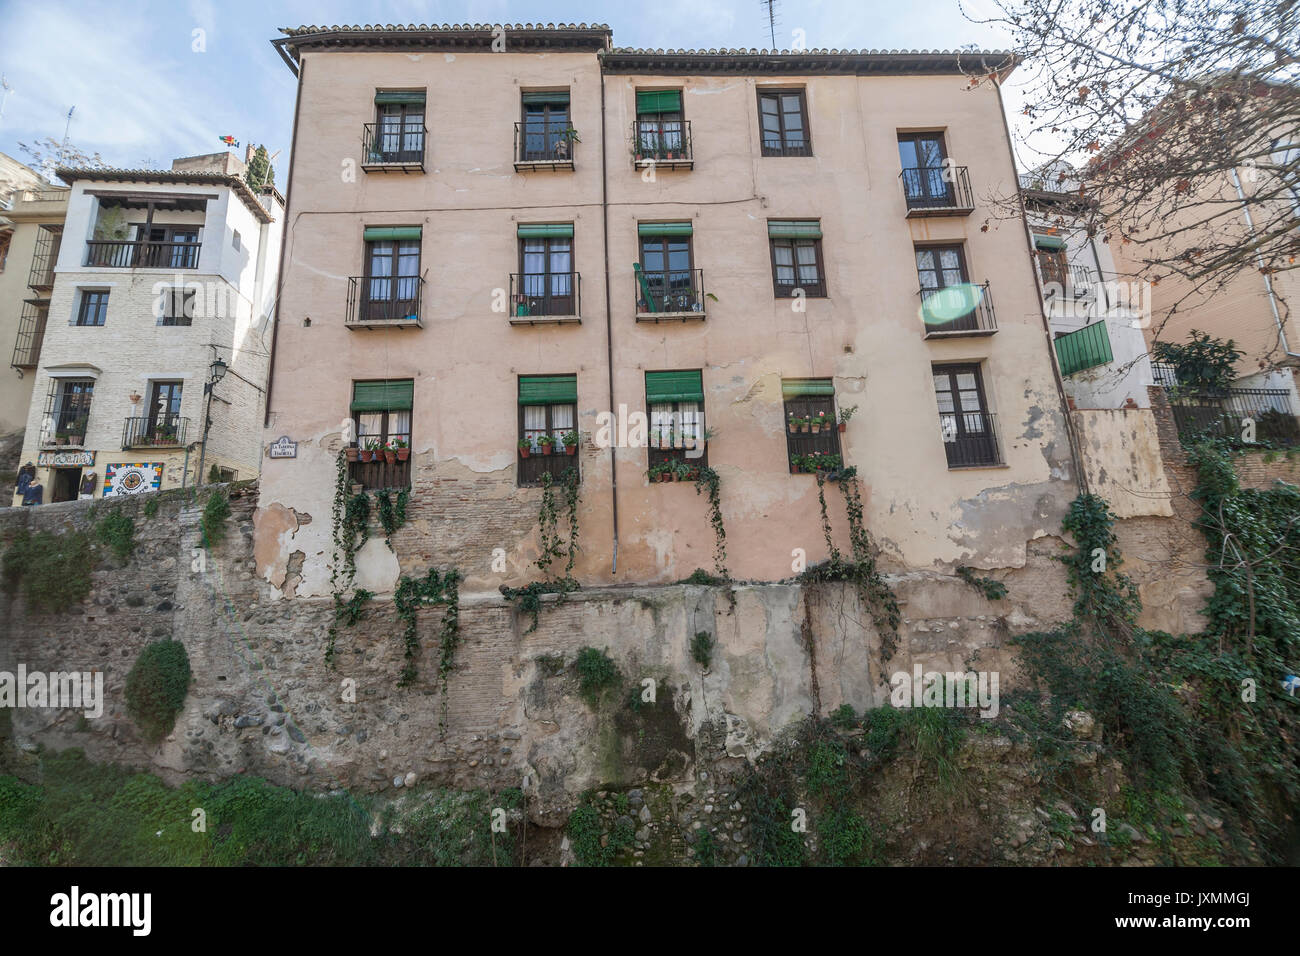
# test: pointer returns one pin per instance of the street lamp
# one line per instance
(218, 372)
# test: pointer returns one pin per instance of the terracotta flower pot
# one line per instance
(843, 426)
(351, 453)
(403, 454)
(665, 476)
(816, 429)
(365, 454)
(523, 452)
(570, 449)
(546, 449)
(390, 456)
(803, 429)
(76, 439)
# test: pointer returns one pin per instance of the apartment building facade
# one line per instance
(31, 223)
(506, 233)
(155, 353)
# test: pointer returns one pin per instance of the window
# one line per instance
(545, 127)
(668, 282)
(1053, 264)
(381, 413)
(949, 303)
(676, 404)
(391, 288)
(808, 398)
(69, 408)
(797, 257)
(5, 237)
(93, 308)
(783, 123)
(548, 406)
(967, 427)
(234, 239)
(170, 247)
(659, 127)
(177, 307)
(400, 122)
(162, 426)
(547, 279)
(925, 175)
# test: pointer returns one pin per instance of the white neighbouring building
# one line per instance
(164, 281)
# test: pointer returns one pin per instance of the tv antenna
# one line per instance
(4, 84)
(770, 6)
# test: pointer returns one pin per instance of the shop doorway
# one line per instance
(67, 482)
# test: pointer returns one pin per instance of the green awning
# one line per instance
(663, 229)
(659, 101)
(554, 98)
(547, 389)
(386, 97)
(392, 395)
(554, 231)
(799, 387)
(674, 387)
(794, 228)
(376, 233)
(1049, 242)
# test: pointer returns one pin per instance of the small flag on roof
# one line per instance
(230, 141)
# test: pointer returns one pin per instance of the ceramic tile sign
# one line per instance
(132, 479)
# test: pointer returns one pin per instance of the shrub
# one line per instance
(117, 530)
(596, 672)
(702, 648)
(156, 687)
(215, 513)
(54, 569)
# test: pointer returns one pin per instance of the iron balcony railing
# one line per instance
(674, 292)
(544, 144)
(31, 334)
(937, 191)
(1084, 348)
(141, 254)
(154, 432)
(541, 294)
(44, 256)
(1077, 282)
(400, 145)
(664, 144)
(384, 301)
(970, 439)
(963, 309)
(1234, 413)
(1164, 374)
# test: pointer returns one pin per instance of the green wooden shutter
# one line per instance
(376, 233)
(1049, 242)
(799, 387)
(659, 101)
(554, 98)
(663, 229)
(794, 228)
(392, 395)
(548, 389)
(386, 97)
(555, 231)
(674, 386)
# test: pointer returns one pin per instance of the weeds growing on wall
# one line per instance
(991, 588)
(156, 687)
(710, 481)
(432, 589)
(350, 522)
(528, 599)
(117, 531)
(52, 569)
(596, 674)
(392, 512)
(213, 520)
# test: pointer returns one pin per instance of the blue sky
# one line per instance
(143, 95)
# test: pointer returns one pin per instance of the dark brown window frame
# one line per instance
(547, 297)
(376, 475)
(787, 291)
(186, 316)
(784, 150)
(101, 296)
(530, 470)
(936, 248)
(156, 387)
(828, 443)
(657, 456)
(987, 441)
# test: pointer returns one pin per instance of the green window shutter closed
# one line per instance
(556, 231)
(794, 228)
(798, 387)
(392, 395)
(548, 389)
(1049, 242)
(387, 97)
(663, 229)
(659, 101)
(376, 233)
(554, 98)
(674, 386)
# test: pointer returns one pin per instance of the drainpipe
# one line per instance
(609, 323)
(1268, 280)
(1072, 438)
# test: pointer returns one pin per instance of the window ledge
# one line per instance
(546, 320)
(657, 317)
(528, 165)
(961, 334)
(664, 163)
(977, 467)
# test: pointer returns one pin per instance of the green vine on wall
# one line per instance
(710, 481)
(350, 517)
(1102, 595)
(410, 596)
(991, 588)
(528, 599)
(392, 514)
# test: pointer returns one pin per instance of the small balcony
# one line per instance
(1227, 413)
(1083, 348)
(544, 146)
(970, 439)
(155, 432)
(384, 302)
(662, 145)
(396, 147)
(937, 191)
(957, 310)
(140, 254)
(545, 298)
(31, 334)
(44, 256)
(673, 296)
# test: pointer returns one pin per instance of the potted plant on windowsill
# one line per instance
(804, 424)
(351, 452)
(525, 446)
(61, 438)
(816, 422)
(570, 439)
(77, 432)
(390, 454)
(664, 471)
(845, 415)
(796, 464)
(546, 443)
(371, 450)
(402, 449)
(793, 423)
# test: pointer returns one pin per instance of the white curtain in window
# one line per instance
(399, 425)
(561, 420)
(534, 423)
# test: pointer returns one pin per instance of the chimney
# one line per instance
(248, 154)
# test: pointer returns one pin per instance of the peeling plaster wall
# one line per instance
(1121, 453)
